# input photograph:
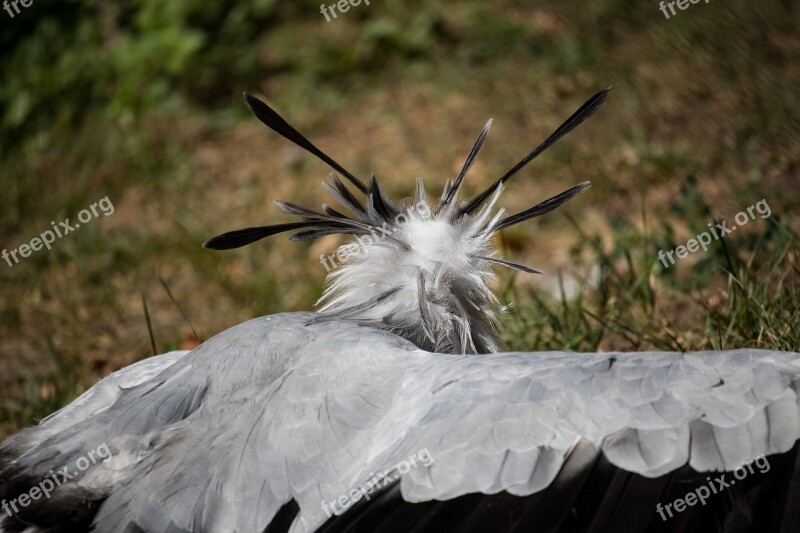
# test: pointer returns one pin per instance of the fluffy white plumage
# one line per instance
(435, 275)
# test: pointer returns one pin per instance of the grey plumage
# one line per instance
(282, 407)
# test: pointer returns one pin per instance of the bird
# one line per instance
(394, 406)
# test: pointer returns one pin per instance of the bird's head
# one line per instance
(417, 267)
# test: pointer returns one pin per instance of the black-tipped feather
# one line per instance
(544, 207)
(382, 205)
(330, 224)
(245, 236)
(379, 209)
(332, 212)
(584, 112)
(511, 264)
(452, 191)
(324, 232)
(275, 122)
(307, 214)
(340, 191)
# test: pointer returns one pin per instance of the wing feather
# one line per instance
(289, 407)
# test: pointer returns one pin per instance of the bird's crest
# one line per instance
(417, 268)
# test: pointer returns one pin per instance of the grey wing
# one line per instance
(206, 441)
(363, 405)
(279, 408)
(507, 421)
(496, 422)
(98, 398)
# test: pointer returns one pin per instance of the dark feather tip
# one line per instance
(243, 237)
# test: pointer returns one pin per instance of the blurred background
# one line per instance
(141, 102)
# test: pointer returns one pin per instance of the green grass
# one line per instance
(742, 292)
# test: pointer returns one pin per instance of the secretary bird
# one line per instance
(393, 408)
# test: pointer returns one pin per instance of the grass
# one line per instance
(627, 300)
(700, 124)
